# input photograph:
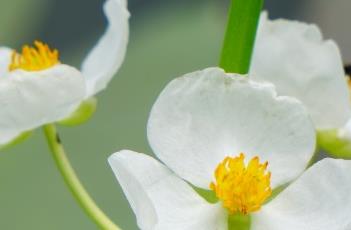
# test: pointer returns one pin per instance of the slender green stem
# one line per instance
(72, 181)
(240, 35)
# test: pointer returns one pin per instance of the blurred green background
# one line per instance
(168, 38)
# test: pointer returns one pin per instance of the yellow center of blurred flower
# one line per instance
(242, 188)
(35, 58)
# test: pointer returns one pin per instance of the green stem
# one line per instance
(72, 181)
(239, 222)
(240, 35)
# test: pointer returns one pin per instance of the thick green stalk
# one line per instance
(72, 181)
(240, 35)
(239, 222)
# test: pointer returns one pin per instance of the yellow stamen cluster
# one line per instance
(35, 58)
(242, 188)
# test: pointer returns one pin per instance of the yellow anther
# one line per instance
(35, 58)
(242, 188)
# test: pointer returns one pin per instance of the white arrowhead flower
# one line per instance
(202, 127)
(36, 89)
(300, 63)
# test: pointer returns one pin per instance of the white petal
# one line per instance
(31, 99)
(319, 200)
(161, 200)
(345, 132)
(6, 136)
(204, 116)
(295, 58)
(5, 60)
(106, 57)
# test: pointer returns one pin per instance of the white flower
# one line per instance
(198, 126)
(36, 89)
(108, 54)
(294, 57)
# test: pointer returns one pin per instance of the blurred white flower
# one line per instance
(36, 89)
(198, 127)
(294, 57)
(107, 56)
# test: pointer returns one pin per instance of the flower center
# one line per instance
(242, 188)
(35, 58)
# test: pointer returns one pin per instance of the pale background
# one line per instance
(168, 38)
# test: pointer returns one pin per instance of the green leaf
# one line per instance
(84, 112)
(333, 144)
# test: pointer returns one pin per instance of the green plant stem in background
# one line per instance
(240, 35)
(72, 181)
